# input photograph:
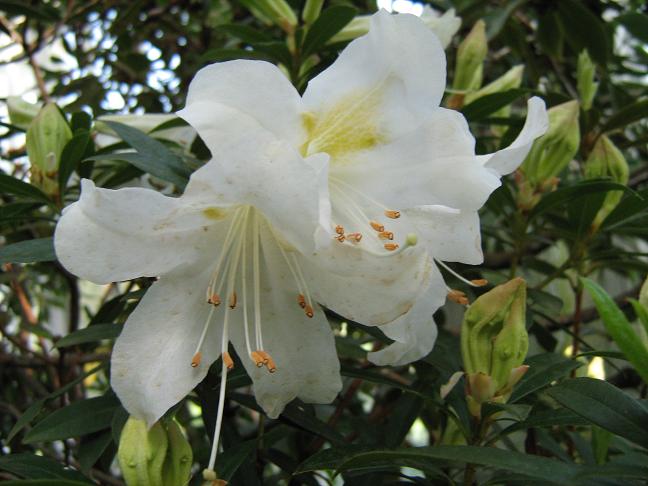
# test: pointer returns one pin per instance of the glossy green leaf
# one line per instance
(604, 405)
(636, 23)
(329, 23)
(78, 418)
(28, 251)
(21, 189)
(90, 334)
(543, 369)
(584, 30)
(31, 466)
(26, 418)
(72, 154)
(631, 113)
(619, 328)
(488, 104)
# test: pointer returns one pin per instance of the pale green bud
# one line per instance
(606, 160)
(47, 135)
(278, 12)
(470, 58)
(511, 79)
(142, 452)
(21, 112)
(359, 26)
(585, 77)
(643, 294)
(494, 339)
(552, 152)
(177, 466)
(311, 11)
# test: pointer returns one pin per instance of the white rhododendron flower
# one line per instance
(399, 164)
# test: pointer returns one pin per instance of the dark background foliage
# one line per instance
(59, 421)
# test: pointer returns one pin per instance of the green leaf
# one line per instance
(26, 418)
(484, 106)
(152, 155)
(224, 54)
(619, 328)
(31, 466)
(80, 121)
(628, 114)
(584, 30)
(72, 154)
(90, 334)
(28, 251)
(344, 459)
(634, 205)
(543, 369)
(21, 189)
(549, 34)
(604, 405)
(79, 418)
(496, 20)
(641, 311)
(636, 23)
(45, 482)
(92, 448)
(329, 23)
(245, 33)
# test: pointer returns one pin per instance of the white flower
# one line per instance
(399, 163)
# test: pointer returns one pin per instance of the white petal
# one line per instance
(508, 159)
(365, 288)
(290, 191)
(422, 168)
(151, 362)
(253, 88)
(394, 75)
(449, 234)
(303, 348)
(415, 333)
(112, 235)
(444, 26)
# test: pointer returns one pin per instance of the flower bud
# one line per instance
(142, 452)
(470, 58)
(552, 152)
(21, 113)
(177, 466)
(585, 80)
(494, 343)
(277, 12)
(47, 135)
(606, 160)
(311, 11)
(511, 79)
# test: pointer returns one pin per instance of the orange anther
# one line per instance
(214, 300)
(308, 310)
(301, 301)
(390, 213)
(339, 229)
(232, 300)
(377, 226)
(195, 361)
(386, 235)
(355, 237)
(458, 297)
(480, 282)
(340, 238)
(227, 359)
(391, 246)
(268, 361)
(257, 358)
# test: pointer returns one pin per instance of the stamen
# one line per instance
(340, 238)
(214, 300)
(197, 358)
(224, 252)
(339, 229)
(211, 476)
(268, 361)
(232, 301)
(377, 226)
(308, 310)
(392, 214)
(301, 301)
(197, 355)
(471, 283)
(354, 237)
(227, 359)
(458, 297)
(244, 286)
(391, 246)
(257, 283)
(386, 235)
(257, 358)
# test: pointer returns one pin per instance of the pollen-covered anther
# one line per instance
(377, 226)
(308, 310)
(227, 359)
(339, 229)
(480, 282)
(257, 358)
(195, 361)
(268, 361)
(232, 300)
(340, 238)
(458, 297)
(386, 235)
(354, 237)
(391, 246)
(392, 214)
(301, 300)
(214, 300)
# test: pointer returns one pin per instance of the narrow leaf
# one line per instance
(329, 23)
(90, 334)
(28, 251)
